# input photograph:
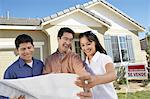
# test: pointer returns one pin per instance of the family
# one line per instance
(96, 72)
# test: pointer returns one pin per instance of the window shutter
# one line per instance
(108, 45)
(130, 49)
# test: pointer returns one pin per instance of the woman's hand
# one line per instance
(87, 81)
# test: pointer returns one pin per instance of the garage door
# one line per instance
(7, 57)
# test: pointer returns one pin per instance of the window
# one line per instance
(119, 48)
(37, 54)
(76, 48)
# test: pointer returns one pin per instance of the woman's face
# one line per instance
(87, 46)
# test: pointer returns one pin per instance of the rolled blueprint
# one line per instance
(50, 86)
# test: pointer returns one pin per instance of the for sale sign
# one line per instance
(136, 72)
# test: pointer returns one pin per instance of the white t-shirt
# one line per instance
(30, 64)
(97, 66)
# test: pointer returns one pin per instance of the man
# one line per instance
(26, 65)
(64, 60)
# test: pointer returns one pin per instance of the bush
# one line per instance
(120, 77)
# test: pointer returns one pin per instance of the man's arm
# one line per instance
(78, 66)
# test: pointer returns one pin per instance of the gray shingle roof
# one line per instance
(119, 12)
(96, 16)
(20, 21)
(81, 7)
(88, 11)
(36, 22)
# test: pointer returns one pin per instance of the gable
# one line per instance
(77, 19)
(76, 16)
(113, 15)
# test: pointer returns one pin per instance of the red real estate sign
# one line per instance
(136, 72)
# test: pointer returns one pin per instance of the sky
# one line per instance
(139, 10)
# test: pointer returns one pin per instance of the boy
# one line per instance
(26, 65)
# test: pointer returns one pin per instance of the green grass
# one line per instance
(137, 95)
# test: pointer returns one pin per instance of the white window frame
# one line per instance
(73, 48)
(120, 48)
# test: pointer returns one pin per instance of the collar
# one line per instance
(57, 51)
(94, 58)
(96, 55)
(61, 55)
(22, 62)
(69, 50)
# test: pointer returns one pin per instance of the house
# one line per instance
(116, 31)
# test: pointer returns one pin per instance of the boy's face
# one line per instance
(25, 51)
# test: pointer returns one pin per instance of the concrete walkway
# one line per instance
(133, 87)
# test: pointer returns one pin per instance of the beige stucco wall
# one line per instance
(7, 57)
(100, 37)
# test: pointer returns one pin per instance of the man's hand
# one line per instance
(85, 95)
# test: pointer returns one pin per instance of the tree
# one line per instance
(148, 52)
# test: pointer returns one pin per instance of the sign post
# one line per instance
(135, 72)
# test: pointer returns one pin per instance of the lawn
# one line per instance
(137, 95)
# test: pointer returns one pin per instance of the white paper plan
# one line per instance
(50, 86)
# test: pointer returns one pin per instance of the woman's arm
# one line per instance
(109, 76)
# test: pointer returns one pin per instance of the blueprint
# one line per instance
(50, 86)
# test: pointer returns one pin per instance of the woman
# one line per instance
(100, 66)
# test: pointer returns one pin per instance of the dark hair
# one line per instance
(65, 29)
(23, 38)
(92, 37)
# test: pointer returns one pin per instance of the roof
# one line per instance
(20, 21)
(80, 7)
(36, 22)
(113, 8)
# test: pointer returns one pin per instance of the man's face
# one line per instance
(64, 43)
(25, 51)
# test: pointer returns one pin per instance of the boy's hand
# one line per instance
(20, 97)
